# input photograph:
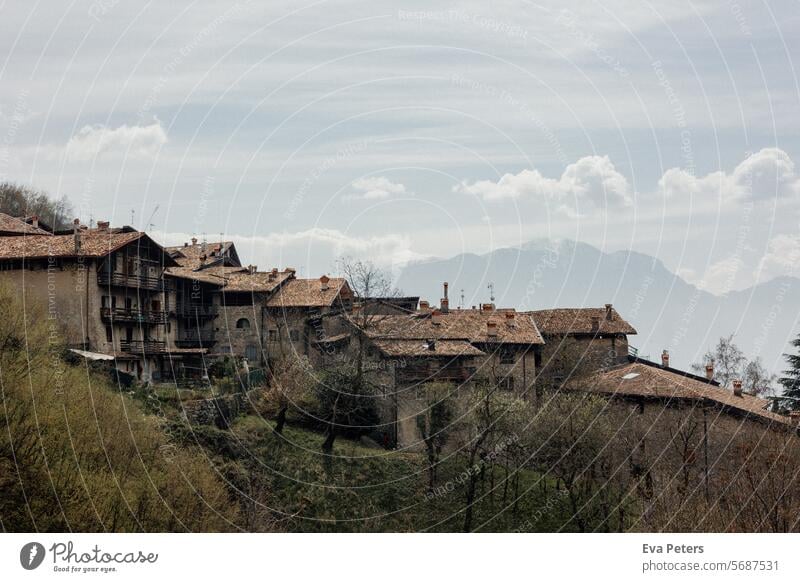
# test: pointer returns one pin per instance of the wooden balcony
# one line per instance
(123, 315)
(195, 310)
(195, 338)
(147, 347)
(125, 280)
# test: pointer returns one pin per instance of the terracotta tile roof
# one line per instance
(256, 282)
(421, 348)
(648, 380)
(190, 255)
(11, 226)
(308, 293)
(93, 244)
(216, 275)
(580, 320)
(509, 327)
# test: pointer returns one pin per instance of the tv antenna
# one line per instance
(490, 286)
(461, 304)
(150, 220)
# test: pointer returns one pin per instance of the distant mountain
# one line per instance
(668, 312)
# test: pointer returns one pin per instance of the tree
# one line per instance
(346, 403)
(21, 201)
(291, 379)
(757, 380)
(435, 424)
(728, 360)
(791, 380)
(367, 282)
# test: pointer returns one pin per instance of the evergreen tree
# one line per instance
(791, 380)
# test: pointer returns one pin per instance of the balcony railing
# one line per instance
(143, 346)
(195, 310)
(126, 280)
(195, 338)
(123, 315)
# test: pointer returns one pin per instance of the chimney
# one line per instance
(491, 328)
(424, 305)
(595, 323)
(252, 269)
(445, 301)
(487, 307)
(609, 312)
(194, 241)
(436, 317)
(186, 244)
(510, 315)
(76, 234)
(291, 270)
(665, 358)
(102, 225)
(323, 283)
(710, 370)
(35, 221)
(737, 387)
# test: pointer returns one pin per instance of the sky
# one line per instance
(395, 131)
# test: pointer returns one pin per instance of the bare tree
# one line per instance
(729, 362)
(435, 424)
(21, 201)
(291, 379)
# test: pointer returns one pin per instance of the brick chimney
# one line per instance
(487, 307)
(194, 241)
(76, 234)
(35, 221)
(324, 283)
(445, 305)
(102, 225)
(491, 328)
(595, 323)
(252, 269)
(436, 317)
(609, 312)
(665, 358)
(710, 370)
(424, 305)
(737, 387)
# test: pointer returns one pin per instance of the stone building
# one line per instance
(103, 289)
(601, 332)
(308, 317)
(406, 352)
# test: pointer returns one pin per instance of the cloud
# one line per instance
(98, 140)
(375, 188)
(591, 181)
(766, 175)
(781, 258)
(313, 251)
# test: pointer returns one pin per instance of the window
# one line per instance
(507, 383)
(109, 334)
(273, 335)
(243, 323)
(251, 353)
(294, 335)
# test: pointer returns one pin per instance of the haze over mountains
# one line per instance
(668, 312)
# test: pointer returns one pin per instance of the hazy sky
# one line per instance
(305, 130)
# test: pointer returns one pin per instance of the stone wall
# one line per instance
(219, 411)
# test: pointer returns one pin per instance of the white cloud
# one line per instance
(313, 251)
(721, 277)
(97, 140)
(375, 188)
(781, 258)
(590, 182)
(765, 175)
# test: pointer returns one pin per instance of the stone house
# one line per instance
(308, 317)
(103, 288)
(404, 353)
(601, 332)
